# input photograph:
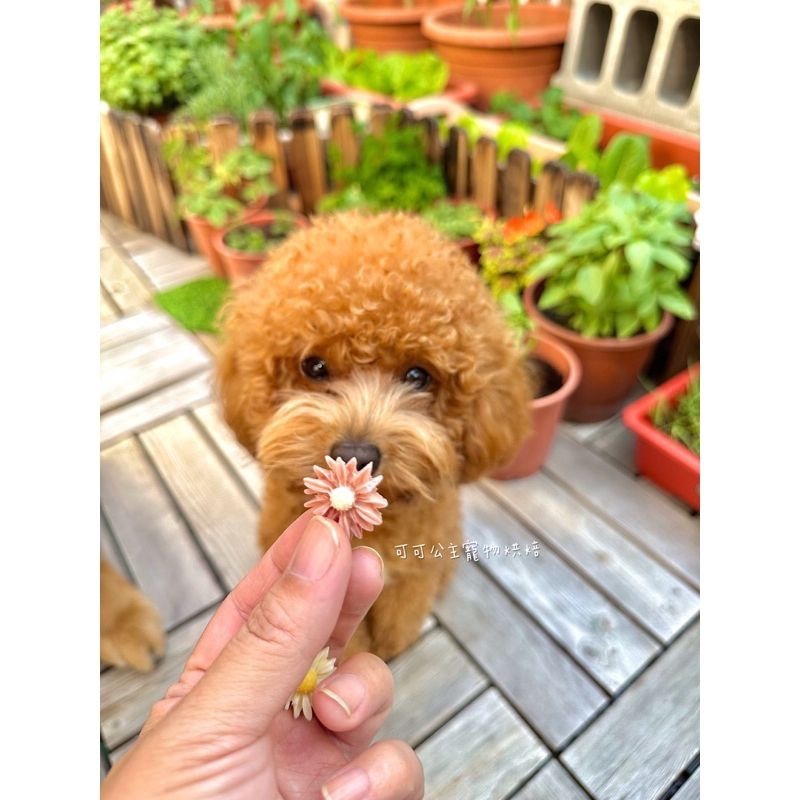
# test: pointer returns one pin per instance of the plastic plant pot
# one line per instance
(665, 461)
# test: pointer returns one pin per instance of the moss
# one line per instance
(196, 305)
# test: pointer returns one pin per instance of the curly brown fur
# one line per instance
(374, 296)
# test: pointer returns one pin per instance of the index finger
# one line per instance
(242, 599)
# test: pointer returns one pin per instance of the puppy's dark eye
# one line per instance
(418, 378)
(314, 368)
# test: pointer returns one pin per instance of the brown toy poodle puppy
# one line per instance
(373, 337)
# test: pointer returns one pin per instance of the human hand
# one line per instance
(221, 731)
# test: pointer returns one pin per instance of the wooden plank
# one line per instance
(164, 558)
(433, 142)
(223, 136)
(638, 583)
(616, 442)
(108, 311)
(484, 173)
(579, 188)
(691, 789)
(264, 133)
(151, 202)
(487, 732)
(156, 407)
(134, 326)
(640, 745)
(132, 182)
(109, 142)
(166, 266)
(151, 135)
(242, 463)
(307, 160)
(432, 680)
(124, 285)
(552, 782)
(501, 639)
(583, 431)
(456, 163)
(222, 517)
(601, 639)
(126, 696)
(379, 113)
(550, 186)
(344, 145)
(653, 520)
(116, 755)
(136, 368)
(516, 184)
(109, 550)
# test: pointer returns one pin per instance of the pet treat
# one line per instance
(320, 669)
(346, 495)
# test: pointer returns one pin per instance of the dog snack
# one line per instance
(346, 495)
(322, 668)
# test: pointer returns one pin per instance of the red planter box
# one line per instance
(659, 457)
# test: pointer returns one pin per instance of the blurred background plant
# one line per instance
(682, 420)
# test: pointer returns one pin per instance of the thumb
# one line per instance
(259, 669)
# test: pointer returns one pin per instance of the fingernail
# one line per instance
(372, 550)
(345, 689)
(316, 550)
(351, 785)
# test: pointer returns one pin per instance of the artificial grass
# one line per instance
(196, 305)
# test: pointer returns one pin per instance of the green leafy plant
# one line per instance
(617, 266)
(393, 172)
(147, 57)
(403, 76)
(455, 220)
(682, 420)
(670, 183)
(551, 117)
(197, 304)
(216, 192)
(277, 60)
(251, 238)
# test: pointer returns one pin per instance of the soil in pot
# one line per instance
(555, 372)
(244, 247)
(481, 49)
(610, 366)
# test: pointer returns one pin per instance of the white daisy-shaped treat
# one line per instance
(320, 669)
(347, 495)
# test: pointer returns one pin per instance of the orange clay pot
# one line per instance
(546, 412)
(387, 27)
(203, 232)
(237, 264)
(610, 366)
(482, 49)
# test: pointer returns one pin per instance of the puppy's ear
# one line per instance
(232, 389)
(497, 418)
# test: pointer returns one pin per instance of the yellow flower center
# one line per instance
(309, 683)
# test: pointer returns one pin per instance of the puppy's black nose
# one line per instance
(363, 452)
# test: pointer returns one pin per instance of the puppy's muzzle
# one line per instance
(362, 452)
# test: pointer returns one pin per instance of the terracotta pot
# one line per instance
(387, 28)
(546, 412)
(484, 51)
(659, 457)
(610, 366)
(203, 232)
(238, 265)
(459, 91)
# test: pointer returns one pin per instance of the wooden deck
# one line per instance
(569, 676)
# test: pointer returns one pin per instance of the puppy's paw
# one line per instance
(131, 633)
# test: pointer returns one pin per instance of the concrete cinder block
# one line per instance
(635, 57)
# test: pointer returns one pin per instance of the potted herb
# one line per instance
(392, 173)
(392, 78)
(607, 283)
(553, 368)
(667, 427)
(244, 246)
(459, 222)
(502, 46)
(213, 195)
(549, 116)
(147, 58)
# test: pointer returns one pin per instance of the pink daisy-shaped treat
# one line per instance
(347, 495)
